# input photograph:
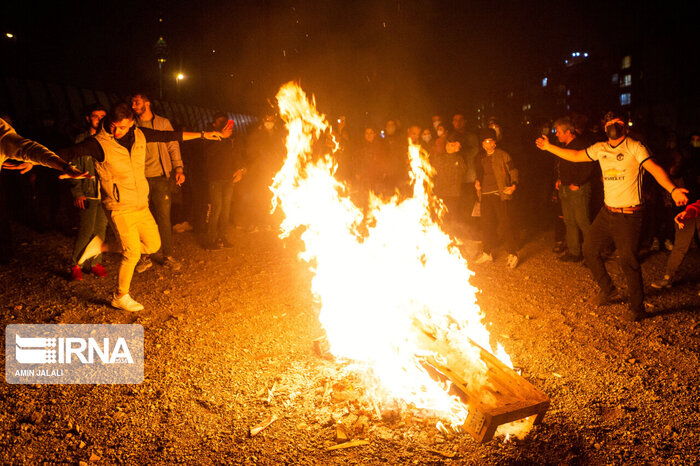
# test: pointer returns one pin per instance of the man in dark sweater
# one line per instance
(574, 185)
(224, 167)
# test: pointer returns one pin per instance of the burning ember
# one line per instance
(393, 287)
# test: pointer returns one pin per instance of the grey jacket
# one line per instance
(169, 152)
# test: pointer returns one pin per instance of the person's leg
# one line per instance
(160, 203)
(681, 244)
(568, 198)
(489, 221)
(595, 243)
(582, 209)
(86, 230)
(626, 229)
(148, 232)
(504, 212)
(100, 229)
(215, 199)
(225, 217)
(125, 227)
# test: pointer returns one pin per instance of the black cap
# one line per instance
(487, 133)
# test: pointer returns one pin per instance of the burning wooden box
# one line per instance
(505, 398)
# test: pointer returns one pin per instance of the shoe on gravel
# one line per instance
(603, 297)
(98, 270)
(126, 303)
(171, 263)
(512, 261)
(144, 264)
(663, 283)
(75, 273)
(483, 258)
(568, 257)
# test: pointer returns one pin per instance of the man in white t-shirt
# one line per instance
(622, 161)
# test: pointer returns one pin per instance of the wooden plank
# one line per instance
(505, 398)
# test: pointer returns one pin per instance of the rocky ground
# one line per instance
(228, 343)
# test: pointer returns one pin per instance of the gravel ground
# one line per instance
(228, 343)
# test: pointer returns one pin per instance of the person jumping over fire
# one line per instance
(119, 150)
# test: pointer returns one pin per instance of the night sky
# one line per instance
(383, 57)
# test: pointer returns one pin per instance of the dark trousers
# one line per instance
(623, 230)
(681, 244)
(159, 201)
(575, 211)
(93, 222)
(496, 214)
(220, 195)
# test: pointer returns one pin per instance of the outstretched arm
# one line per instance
(566, 154)
(661, 177)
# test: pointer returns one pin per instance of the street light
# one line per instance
(179, 77)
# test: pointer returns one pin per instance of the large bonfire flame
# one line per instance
(382, 276)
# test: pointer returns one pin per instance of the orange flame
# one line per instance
(383, 275)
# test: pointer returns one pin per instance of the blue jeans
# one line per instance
(220, 195)
(576, 213)
(159, 201)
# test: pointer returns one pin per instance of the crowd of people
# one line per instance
(133, 171)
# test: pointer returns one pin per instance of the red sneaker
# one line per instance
(98, 270)
(76, 273)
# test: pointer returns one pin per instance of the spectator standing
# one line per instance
(224, 167)
(86, 198)
(574, 188)
(162, 159)
(496, 180)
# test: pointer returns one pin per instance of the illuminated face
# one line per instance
(489, 145)
(562, 134)
(458, 122)
(414, 134)
(370, 135)
(139, 105)
(95, 118)
(120, 128)
(390, 127)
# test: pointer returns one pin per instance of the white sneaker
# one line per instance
(512, 261)
(93, 249)
(483, 258)
(126, 303)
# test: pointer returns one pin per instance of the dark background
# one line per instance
(367, 59)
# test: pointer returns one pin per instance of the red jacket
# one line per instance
(693, 210)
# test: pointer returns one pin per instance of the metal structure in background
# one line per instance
(27, 101)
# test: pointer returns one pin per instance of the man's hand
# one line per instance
(179, 176)
(23, 167)
(573, 187)
(477, 185)
(79, 202)
(509, 190)
(238, 175)
(213, 135)
(542, 142)
(69, 171)
(680, 219)
(557, 185)
(679, 196)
